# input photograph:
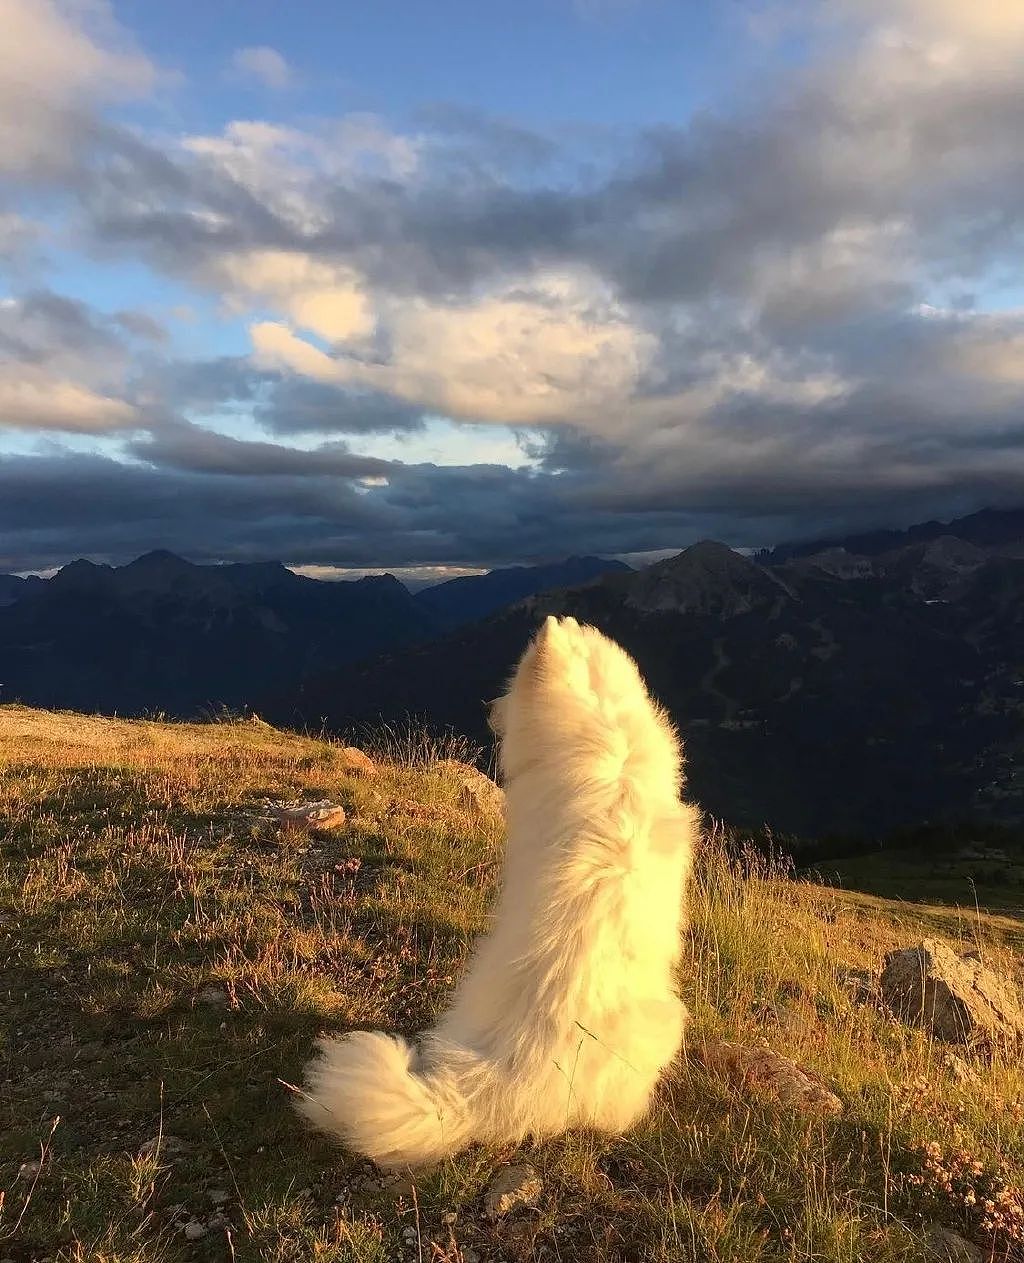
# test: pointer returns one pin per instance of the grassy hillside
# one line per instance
(168, 952)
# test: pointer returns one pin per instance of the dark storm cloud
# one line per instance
(181, 446)
(114, 512)
(56, 507)
(280, 402)
(296, 405)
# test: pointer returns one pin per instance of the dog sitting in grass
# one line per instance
(568, 1012)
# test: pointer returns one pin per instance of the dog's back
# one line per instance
(568, 1012)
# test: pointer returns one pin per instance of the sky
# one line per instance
(433, 288)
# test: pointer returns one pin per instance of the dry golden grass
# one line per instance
(139, 869)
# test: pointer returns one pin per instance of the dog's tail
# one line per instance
(372, 1092)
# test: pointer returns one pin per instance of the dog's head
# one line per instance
(575, 696)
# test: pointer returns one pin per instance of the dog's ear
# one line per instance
(548, 637)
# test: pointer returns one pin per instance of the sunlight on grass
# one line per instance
(169, 955)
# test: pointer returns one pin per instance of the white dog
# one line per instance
(568, 1013)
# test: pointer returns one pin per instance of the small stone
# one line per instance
(194, 1230)
(166, 1146)
(218, 1221)
(860, 985)
(478, 794)
(946, 1246)
(469, 1255)
(511, 1188)
(398, 1188)
(960, 1070)
(356, 762)
(477, 802)
(409, 1235)
(770, 1075)
(218, 1196)
(320, 815)
(213, 995)
(410, 807)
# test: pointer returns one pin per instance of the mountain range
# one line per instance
(848, 688)
(164, 635)
(832, 692)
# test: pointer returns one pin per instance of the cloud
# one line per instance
(193, 449)
(323, 298)
(984, 23)
(62, 367)
(296, 406)
(58, 63)
(262, 65)
(32, 401)
(279, 402)
(551, 348)
(768, 320)
(275, 346)
(211, 497)
(19, 239)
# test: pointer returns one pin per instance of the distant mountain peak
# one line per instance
(995, 531)
(79, 573)
(81, 565)
(709, 577)
(711, 551)
(471, 597)
(161, 558)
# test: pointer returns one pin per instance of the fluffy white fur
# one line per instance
(568, 1012)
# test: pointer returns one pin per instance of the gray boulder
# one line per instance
(956, 998)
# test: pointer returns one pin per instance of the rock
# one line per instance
(954, 998)
(195, 1231)
(477, 792)
(165, 1146)
(320, 815)
(356, 762)
(961, 1070)
(860, 985)
(469, 1255)
(398, 1188)
(410, 807)
(212, 994)
(218, 1196)
(770, 1075)
(511, 1188)
(946, 1246)
(480, 803)
(218, 1220)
